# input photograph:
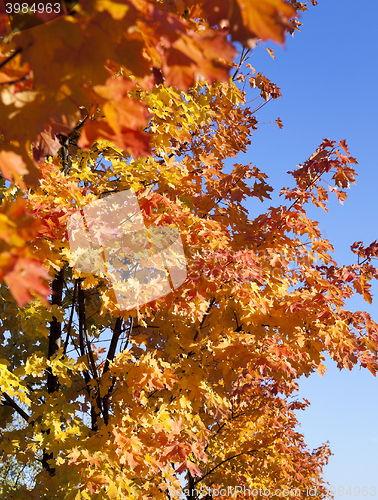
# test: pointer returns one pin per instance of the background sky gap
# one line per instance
(327, 75)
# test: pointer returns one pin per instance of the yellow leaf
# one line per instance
(112, 491)
(116, 9)
(321, 369)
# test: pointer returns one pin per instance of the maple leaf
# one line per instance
(135, 141)
(46, 145)
(12, 167)
(194, 469)
(321, 369)
(25, 276)
(13, 71)
(264, 19)
(363, 288)
(343, 144)
(120, 110)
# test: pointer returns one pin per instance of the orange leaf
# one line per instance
(343, 144)
(321, 369)
(119, 109)
(46, 145)
(135, 141)
(13, 70)
(194, 469)
(12, 166)
(26, 277)
(263, 19)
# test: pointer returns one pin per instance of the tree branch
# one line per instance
(113, 344)
(87, 378)
(10, 402)
(191, 484)
(212, 302)
(251, 452)
(13, 82)
(71, 318)
(110, 356)
(215, 433)
(6, 61)
(55, 336)
(243, 57)
(83, 334)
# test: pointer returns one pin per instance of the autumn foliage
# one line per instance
(194, 389)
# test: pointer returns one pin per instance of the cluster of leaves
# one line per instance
(15, 474)
(57, 78)
(199, 383)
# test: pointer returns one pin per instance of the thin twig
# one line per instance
(251, 452)
(6, 61)
(243, 57)
(13, 82)
(261, 105)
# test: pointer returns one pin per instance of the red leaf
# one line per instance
(135, 141)
(119, 109)
(46, 145)
(343, 144)
(12, 166)
(324, 315)
(264, 19)
(194, 469)
(25, 277)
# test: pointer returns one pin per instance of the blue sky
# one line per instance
(327, 75)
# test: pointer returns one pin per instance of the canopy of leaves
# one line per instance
(57, 77)
(199, 383)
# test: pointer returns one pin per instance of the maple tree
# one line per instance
(198, 383)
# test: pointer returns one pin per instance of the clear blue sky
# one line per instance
(327, 75)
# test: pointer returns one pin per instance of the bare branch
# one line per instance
(83, 334)
(212, 302)
(55, 336)
(250, 452)
(71, 318)
(243, 57)
(113, 344)
(10, 402)
(110, 356)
